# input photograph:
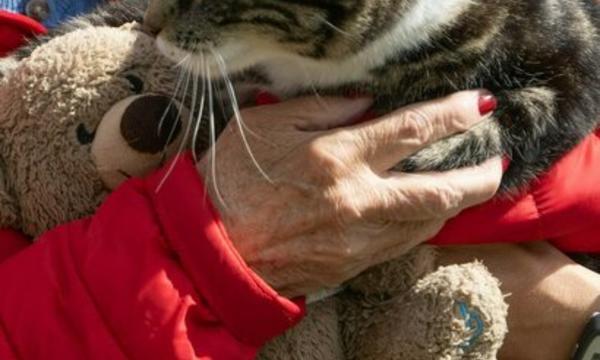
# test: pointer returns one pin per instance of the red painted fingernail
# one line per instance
(266, 98)
(487, 104)
(505, 164)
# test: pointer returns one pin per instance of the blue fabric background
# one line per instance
(60, 10)
(13, 5)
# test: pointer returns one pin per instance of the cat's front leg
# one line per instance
(524, 129)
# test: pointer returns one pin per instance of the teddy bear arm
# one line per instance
(454, 312)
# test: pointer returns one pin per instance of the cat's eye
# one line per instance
(135, 83)
(84, 136)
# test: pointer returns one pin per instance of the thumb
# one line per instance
(319, 113)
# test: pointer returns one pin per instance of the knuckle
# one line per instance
(456, 113)
(416, 125)
(321, 166)
(454, 122)
(321, 152)
(443, 200)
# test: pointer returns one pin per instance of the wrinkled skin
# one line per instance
(329, 207)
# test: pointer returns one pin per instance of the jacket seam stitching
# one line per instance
(92, 300)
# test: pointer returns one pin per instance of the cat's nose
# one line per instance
(150, 124)
(160, 12)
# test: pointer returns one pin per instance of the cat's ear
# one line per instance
(7, 65)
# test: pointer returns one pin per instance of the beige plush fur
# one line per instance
(405, 309)
(52, 102)
(48, 176)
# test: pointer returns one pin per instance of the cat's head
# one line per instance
(245, 32)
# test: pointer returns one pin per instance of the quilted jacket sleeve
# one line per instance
(562, 206)
(152, 275)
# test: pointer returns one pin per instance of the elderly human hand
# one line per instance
(327, 205)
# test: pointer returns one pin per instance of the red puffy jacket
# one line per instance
(14, 30)
(152, 275)
(562, 206)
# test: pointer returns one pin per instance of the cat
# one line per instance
(539, 57)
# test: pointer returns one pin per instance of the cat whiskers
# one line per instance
(186, 134)
(311, 83)
(354, 39)
(333, 27)
(236, 111)
(231, 94)
(213, 140)
(171, 102)
(196, 131)
(203, 95)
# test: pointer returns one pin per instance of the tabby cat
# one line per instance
(541, 58)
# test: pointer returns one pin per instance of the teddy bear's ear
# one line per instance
(7, 65)
(8, 205)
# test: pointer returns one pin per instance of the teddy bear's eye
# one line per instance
(84, 136)
(135, 83)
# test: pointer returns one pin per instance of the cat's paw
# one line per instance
(471, 148)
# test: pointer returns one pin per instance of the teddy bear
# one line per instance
(89, 108)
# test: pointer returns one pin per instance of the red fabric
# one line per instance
(12, 242)
(151, 276)
(15, 29)
(562, 206)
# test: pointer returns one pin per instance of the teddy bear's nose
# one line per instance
(151, 123)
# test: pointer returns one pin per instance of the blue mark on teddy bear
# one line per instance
(473, 322)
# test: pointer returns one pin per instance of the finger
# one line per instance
(475, 185)
(314, 113)
(374, 244)
(409, 197)
(365, 247)
(383, 143)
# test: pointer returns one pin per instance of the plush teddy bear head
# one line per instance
(85, 111)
